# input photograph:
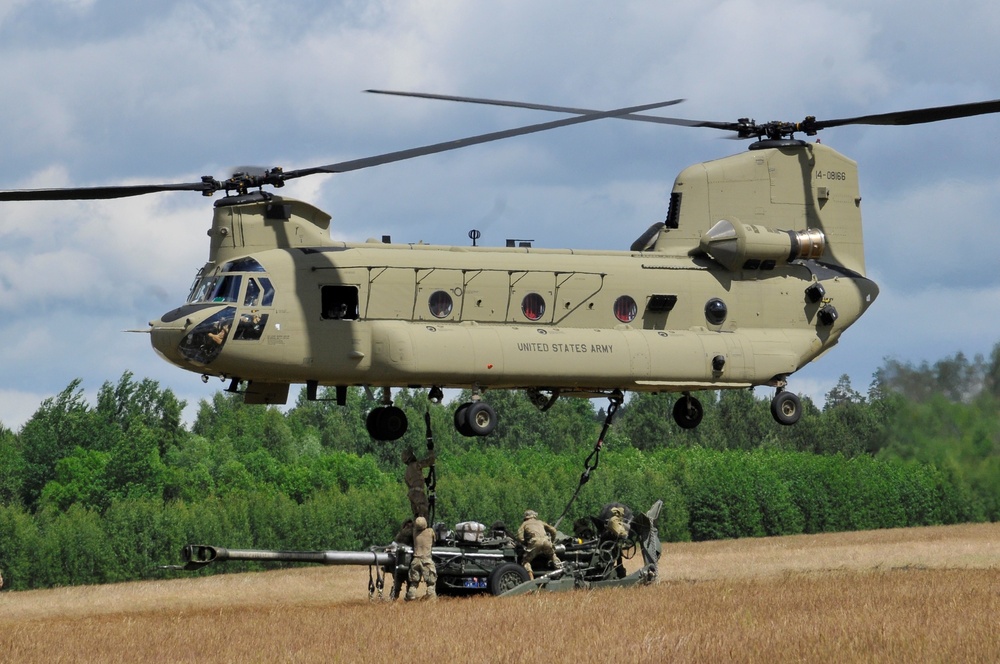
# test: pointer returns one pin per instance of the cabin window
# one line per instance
(625, 309)
(440, 304)
(715, 311)
(533, 306)
(339, 302)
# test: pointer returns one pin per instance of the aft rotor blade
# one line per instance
(95, 193)
(366, 162)
(918, 116)
(544, 107)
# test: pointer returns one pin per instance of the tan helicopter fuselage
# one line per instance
(722, 295)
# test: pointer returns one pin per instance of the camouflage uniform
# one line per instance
(534, 534)
(422, 566)
(616, 524)
(414, 478)
(405, 533)
(617, 530)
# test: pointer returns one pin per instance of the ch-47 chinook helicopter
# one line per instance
(756, 271)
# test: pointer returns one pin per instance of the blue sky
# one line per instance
(107, 92)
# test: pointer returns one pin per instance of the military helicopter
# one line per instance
(756, 271)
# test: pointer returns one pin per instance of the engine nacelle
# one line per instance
(741, 246)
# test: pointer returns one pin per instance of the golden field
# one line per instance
(908, 595)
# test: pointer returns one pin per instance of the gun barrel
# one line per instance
(199, 555)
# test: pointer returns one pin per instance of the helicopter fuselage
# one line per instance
(717, 297)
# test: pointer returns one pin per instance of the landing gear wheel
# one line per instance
(475, 418)
(386, 423)
(481, 418)
(461, 423)
(505, 577)
(786, 408)
(688, 412)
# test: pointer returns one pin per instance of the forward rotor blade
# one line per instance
(544, 107)
(918, 116)
(95, 193)
(356, 164)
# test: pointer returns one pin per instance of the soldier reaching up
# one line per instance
(414, 478)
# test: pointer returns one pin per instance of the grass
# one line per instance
(925, 594)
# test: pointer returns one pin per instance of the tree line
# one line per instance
(106, 492)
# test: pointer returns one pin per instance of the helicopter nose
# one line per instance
(166, 337)
(192, 336)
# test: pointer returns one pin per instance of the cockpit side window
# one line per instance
(252, 298)
(267, 294)
(260, 293)
(340, 302)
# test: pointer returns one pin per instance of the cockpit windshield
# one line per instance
(225, 286)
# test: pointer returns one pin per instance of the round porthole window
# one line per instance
(533, 306)
(625, 309)
(440, 304)
(715, 311)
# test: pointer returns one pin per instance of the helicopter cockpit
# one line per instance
(250, 292)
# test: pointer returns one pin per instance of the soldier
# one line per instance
(616, 524)
(422, 566)
(617, 531)
(414, 478)
(405, 533)
(535, 535)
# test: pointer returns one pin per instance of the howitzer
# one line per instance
(476, 560)
(197, 556)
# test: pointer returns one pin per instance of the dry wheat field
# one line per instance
(908, 595)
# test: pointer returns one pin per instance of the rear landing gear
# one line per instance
(386, 422)
(786, 407)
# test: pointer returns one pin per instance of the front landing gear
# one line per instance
(475, 418)
(386, 422)
(786, 407)
(688, 412)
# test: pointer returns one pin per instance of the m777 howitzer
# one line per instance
(473, 559)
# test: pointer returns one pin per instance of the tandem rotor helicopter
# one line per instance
(756, 271)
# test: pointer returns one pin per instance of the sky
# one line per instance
(101, 92)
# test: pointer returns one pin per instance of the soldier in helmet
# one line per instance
(414, 478)
(616, 524)
(535, 534)
(422, 566)
(617, 531)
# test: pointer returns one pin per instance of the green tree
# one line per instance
(246, 427)
(130, 404)
(61, 424)
(11, 467)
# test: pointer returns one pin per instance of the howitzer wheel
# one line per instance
(506, 577)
